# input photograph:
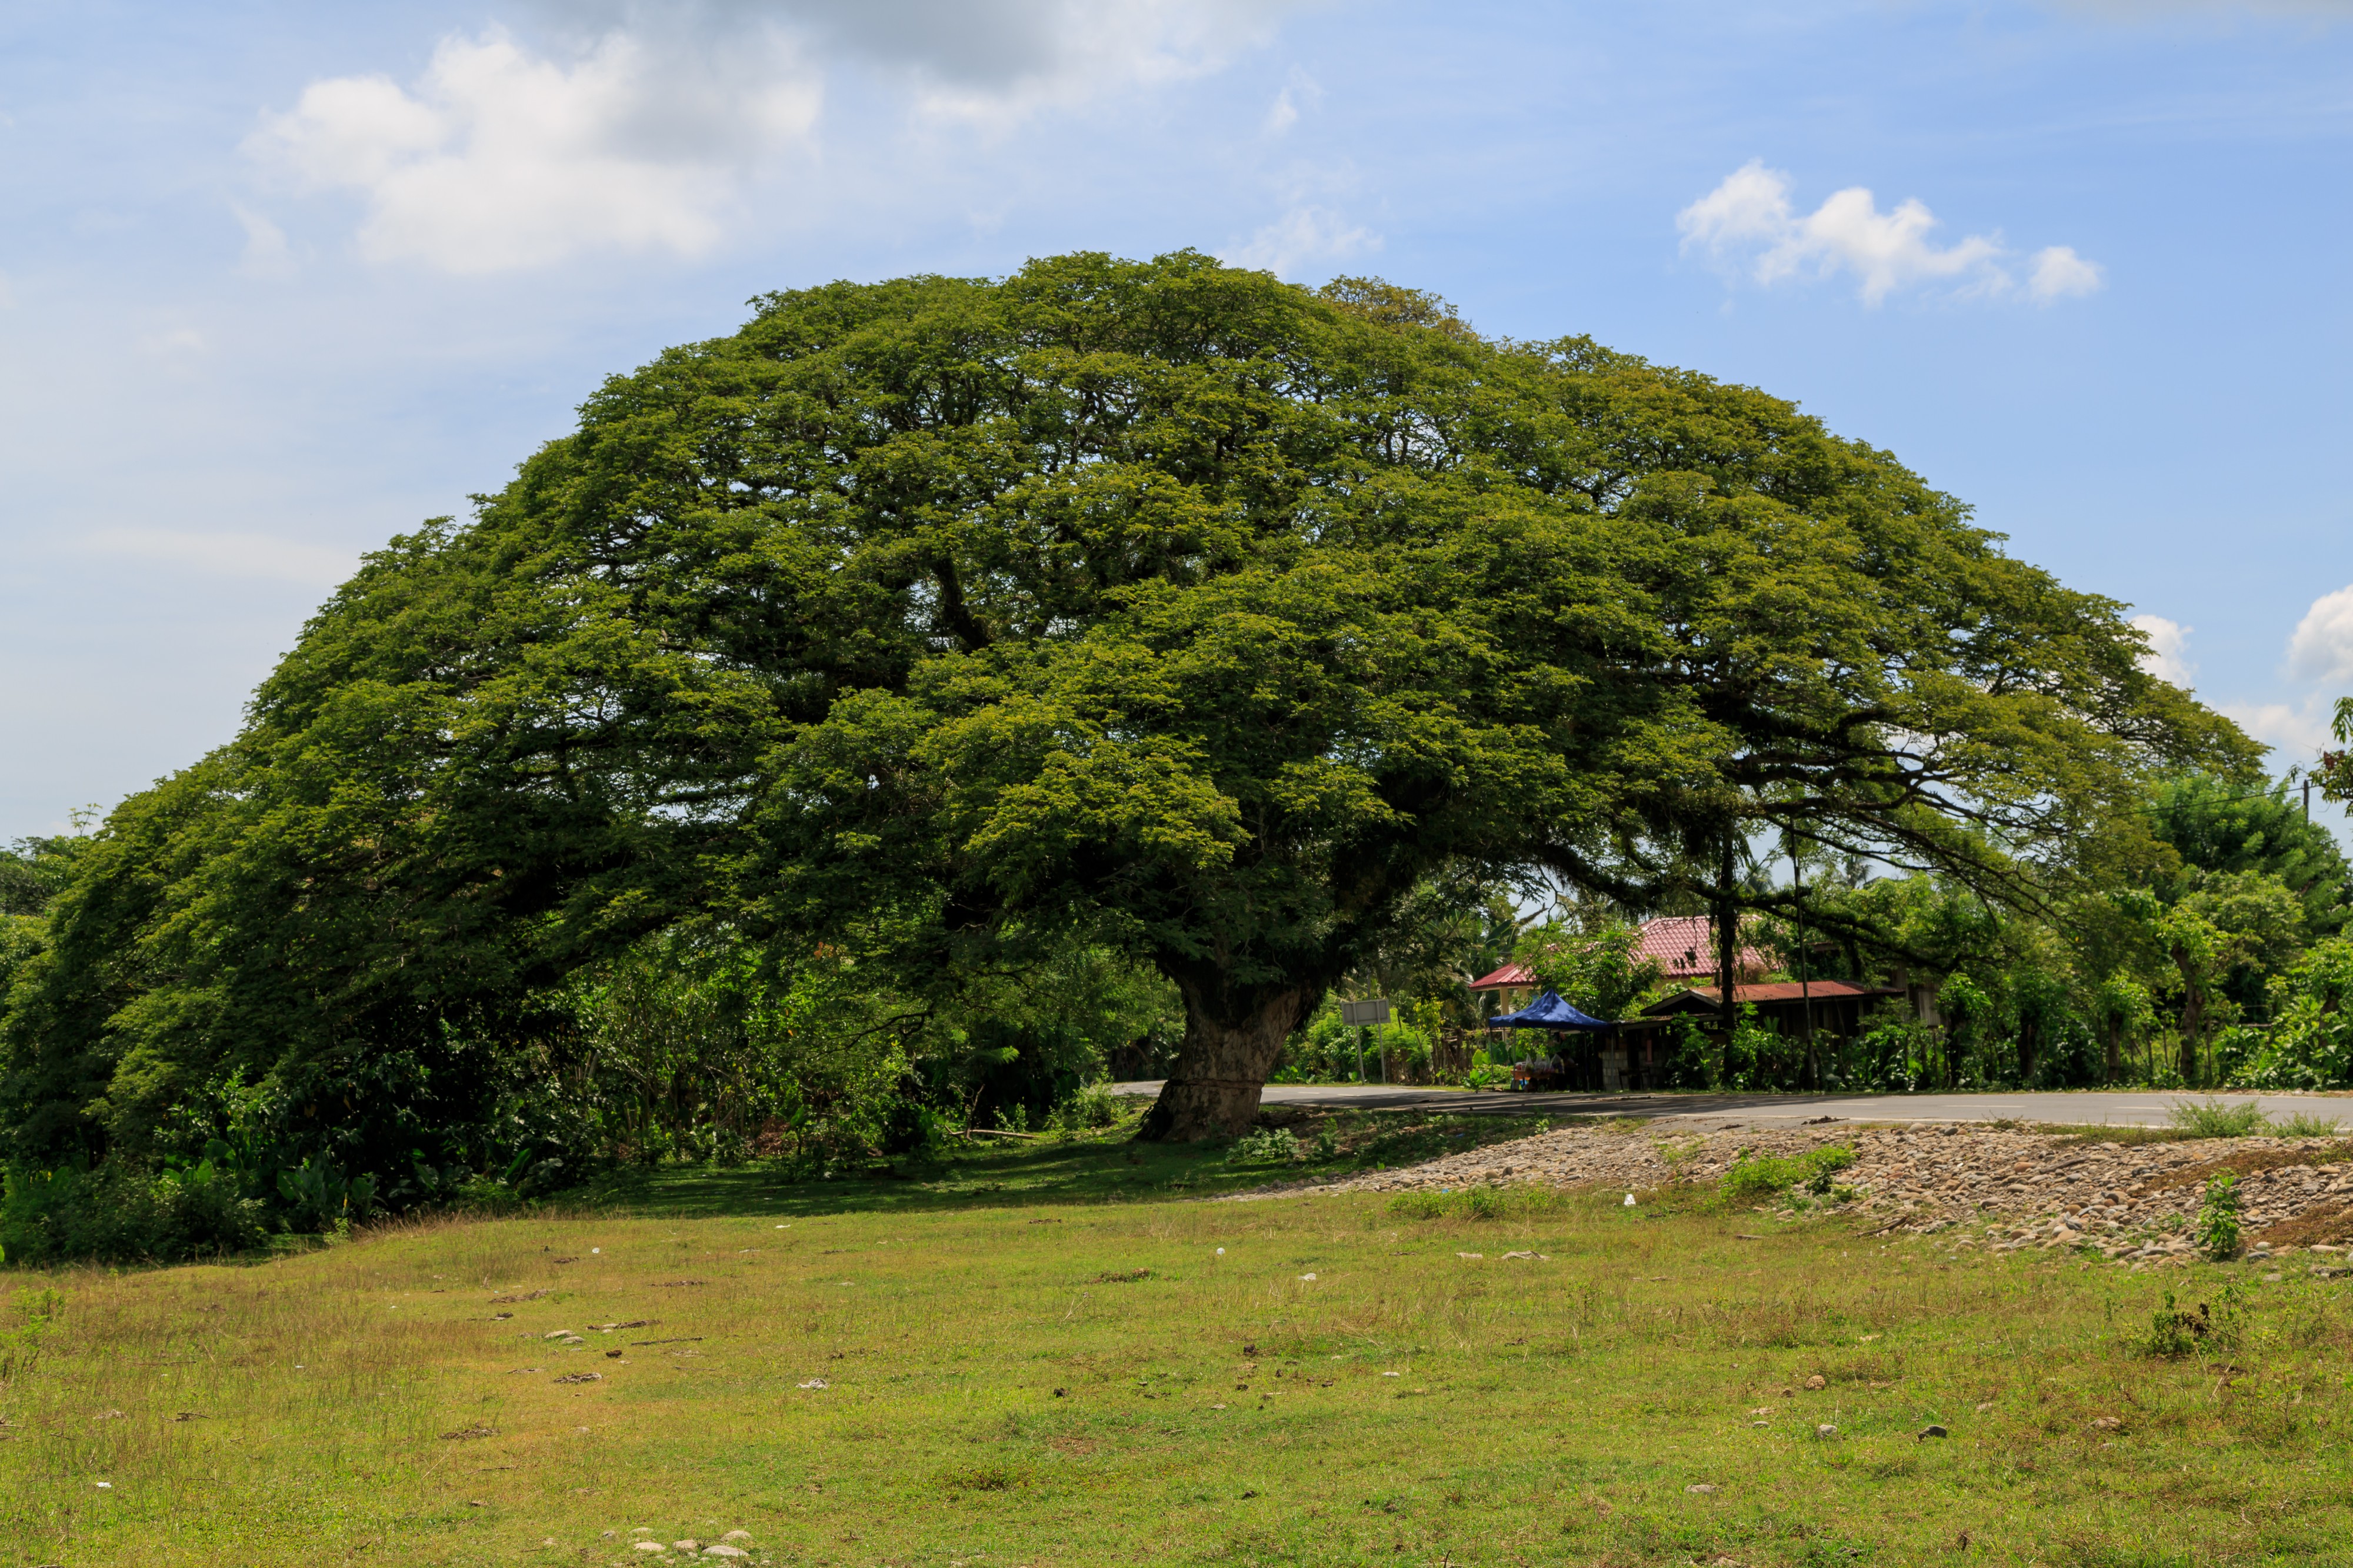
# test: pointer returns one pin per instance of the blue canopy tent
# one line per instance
(1550, 1013)
(1547, 1012)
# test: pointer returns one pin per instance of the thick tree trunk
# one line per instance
(1233, 1037)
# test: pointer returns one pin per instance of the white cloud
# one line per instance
(2168, 645)
(1749, 217)
(266, 254)
(1301, 92)
(999, 50)
(2301, 729)
(1055, 54)
(1304, 233)
(2059, 273)
(241, 555)
(501, 158)
(2321, 647)
(635, 125)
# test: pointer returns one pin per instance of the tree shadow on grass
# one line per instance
(1106, 1167)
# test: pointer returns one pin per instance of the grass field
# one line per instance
(925, 1372)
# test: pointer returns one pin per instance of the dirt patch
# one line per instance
(2246, 1163)
(2321, 1226)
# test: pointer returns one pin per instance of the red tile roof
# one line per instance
(1774, 991)
(1685, 945)
(1510, 977)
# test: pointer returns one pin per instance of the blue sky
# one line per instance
(278, 280)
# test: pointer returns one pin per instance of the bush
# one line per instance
(2310, 1042)
(1266, 1146)
(2218, 1218)
(126, 1216)
(2176, 1331)
(1754, 1176)
(2218, 1119)
(1091, 1107)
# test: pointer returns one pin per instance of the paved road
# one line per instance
(2093, 1106)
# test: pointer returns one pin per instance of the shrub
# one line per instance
(125, 1216)
(2218, 1218)
(2176, 1331)
(1754, 1175)
(1091, 1107)
(1266, 1146)
(2218, 1119)
(2310, 1043)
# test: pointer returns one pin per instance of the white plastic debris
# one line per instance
(1630, 1200)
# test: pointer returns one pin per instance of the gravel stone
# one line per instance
(2025, 1189)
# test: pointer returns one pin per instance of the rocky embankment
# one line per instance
(2015, 1188)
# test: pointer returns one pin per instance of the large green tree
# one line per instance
(1161, 605)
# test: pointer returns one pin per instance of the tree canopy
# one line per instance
(1161, 606)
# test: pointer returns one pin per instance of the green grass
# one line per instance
(2218, 1119)
(1072, 1376)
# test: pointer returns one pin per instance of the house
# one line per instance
(1682, 946)
(1835, 1006)
(1515, 985)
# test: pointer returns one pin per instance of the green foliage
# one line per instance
(33, 871)
(2176, 1331)
(125, 1215)
(1091, 1109)
(2217, 1118)
(2310, 1042)
(2218, 827)
(1752, 1175)
(1756, 1057)
(1267, 1145)
(1595, 969)
(2217, 1227)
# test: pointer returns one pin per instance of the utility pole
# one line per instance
(1727, 949)
(2307, 799)
(1805, 982)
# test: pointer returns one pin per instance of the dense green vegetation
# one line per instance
(939, 692)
